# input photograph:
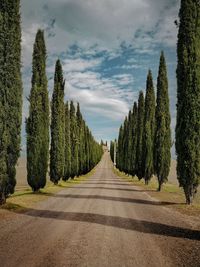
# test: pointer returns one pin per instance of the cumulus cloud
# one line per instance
(106, 48)
(106, 23)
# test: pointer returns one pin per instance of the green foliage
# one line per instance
(188, 106)
(10, 94)
(162, 132)
(128, 141)
(140, 130)
(74, 141)
(67, 167)
(112, 149)
(80, 138)
(125, 146)
(135, 148)
(149, 130)
(57, 152)
(134, 140)
(119, 157)
(37, 124)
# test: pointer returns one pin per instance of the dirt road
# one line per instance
(104, 221)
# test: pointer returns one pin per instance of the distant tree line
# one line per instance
(73, 150)
(144, 142)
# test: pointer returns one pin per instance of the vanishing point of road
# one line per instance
(102, 222)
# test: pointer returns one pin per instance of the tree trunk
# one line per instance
(146, 182)
(159, 186)
(2, 198)
(190, 192)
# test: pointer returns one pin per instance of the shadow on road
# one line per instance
(90, 183)
(108, 188)
(118, 199)
(119, 222)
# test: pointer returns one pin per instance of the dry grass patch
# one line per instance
(24, 199)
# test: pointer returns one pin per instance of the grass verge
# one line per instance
(22, 200)
(171, 195)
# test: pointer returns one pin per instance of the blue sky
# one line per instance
(106, 48)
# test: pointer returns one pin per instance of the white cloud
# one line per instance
(124, 79)
(89, 22)
(73, 65)
(96, 26)
(99, 103)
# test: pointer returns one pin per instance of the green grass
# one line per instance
(171, 194)
(25, 199)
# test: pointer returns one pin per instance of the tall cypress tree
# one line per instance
(80, 137)
(120, 149)
(162, 131)
(129, 143)
(140, 129)
(188, 106)
(74, 141)
(125, 146)
(57, 153)
(134, 140)
(10, 94)
(84, 158)
(149, 130)
(37, 124)
(112, 148)
(67, 168)
(87, 149)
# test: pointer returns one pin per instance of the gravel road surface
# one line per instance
(104, 221)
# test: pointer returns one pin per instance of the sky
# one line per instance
(106, 48)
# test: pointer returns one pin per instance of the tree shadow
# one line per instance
(108, 188)
(106, 180)
(119, 222)
(117, 199)
(100, 183)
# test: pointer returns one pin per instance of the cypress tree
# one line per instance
(57, 152)
(140, 129)
(162, 131)
(10, 94)
(134, 140)
(37, 124)
(74, 141)
(125, 147)
(80, 137)
(129, 143)
(87, 149)
(67, 168)
(112, 150)
(188, 106)
(120, 149)
(84, 158)
(149, 130)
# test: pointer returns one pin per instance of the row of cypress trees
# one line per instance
(73, 150)
(144, 142)
(10, 94)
